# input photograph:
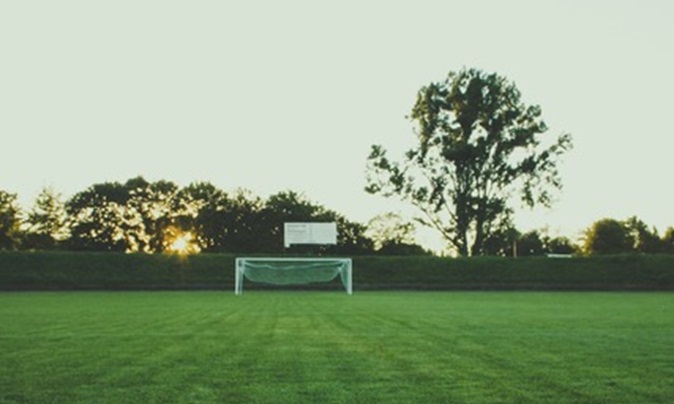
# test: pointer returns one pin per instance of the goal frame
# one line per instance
(239, 268)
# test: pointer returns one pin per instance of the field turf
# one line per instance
(327, 347)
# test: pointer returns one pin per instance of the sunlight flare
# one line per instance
(184, 243)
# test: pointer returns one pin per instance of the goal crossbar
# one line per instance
(288, 271)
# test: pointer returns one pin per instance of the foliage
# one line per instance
(509, 241)
(608, 236)
(402, 248)
(351, 238)
(668, 240)
(10, 221)
(239, 222)
(140, 216)
(289, 206)
(49, 270)
(530, 244)
(645, 240)
(47, 221)
(391, 235)
(155, 217)
(478, 145)
(151, 211)
(390, 229)
(560, 245)
(204, 214)
(502, 241)
(96, 218)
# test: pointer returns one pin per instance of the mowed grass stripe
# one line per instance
(330, 347)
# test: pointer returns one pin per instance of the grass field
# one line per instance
(327, 347)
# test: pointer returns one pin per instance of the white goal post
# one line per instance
(292, 271)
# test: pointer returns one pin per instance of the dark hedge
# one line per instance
(116, 271)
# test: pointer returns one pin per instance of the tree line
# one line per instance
(603, 237)
(611, 236)
(159, 217)
(478, 148)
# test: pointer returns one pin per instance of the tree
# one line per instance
(223, 223)
(645, 240)
(608, 236)
(151, 211)
(97, 218)
(390, 228)
(391, 235)
(478, 145)
(47, 221)
(559, 245)
(351, 237)
(241, 222)
(202, 207)
(155, 217)
(668, 240)
(289, 206)
(502, 241)
(395, 248)
(530, 244)
(137, 216)
(10, 221)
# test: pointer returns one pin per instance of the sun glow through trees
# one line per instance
(184, 243)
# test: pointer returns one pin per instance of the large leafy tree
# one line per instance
(240, 221)
(645, 240)
(502, 241)
(151, 212)
(47, 221)
(390, 228)
(290, 206)
(98, 218)
(560, 245)
(392, 235)
(530, 244)
(222, 222)
(608, 236)
(202, 214)
(478, 146)
(668, 240)
(10, 221)
(137, 216)
(352, 238)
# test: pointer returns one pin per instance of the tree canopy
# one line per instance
(156, 217)
(9, 221)
(611, 236)
(478, 145)
(47, 221)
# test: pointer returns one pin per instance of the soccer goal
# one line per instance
(292, 271)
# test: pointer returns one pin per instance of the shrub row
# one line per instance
(622, 272)
(117, 271)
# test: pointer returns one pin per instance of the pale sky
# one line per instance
(277, 95)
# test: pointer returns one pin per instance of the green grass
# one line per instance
(327, 347)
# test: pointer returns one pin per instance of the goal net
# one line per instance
(292, 271)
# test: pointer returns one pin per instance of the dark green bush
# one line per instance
(117, 271)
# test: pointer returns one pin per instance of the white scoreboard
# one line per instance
(309, 233)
